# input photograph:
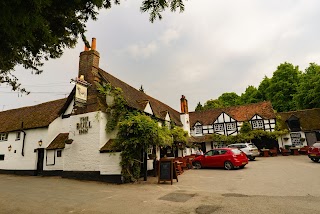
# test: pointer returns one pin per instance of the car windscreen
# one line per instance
(236, 151)
(251, 145)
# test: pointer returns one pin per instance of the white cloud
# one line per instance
(141, 51)
(169, 35)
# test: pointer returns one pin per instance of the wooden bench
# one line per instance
(273, 152)
(304, 150)
(284, 152)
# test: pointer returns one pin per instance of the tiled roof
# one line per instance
(239, 113)
(108, 147)
(59, 141)
(31, 116)
(309, 119)
(200, 139)
(137, 99)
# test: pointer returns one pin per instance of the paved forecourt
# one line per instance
(267, 185)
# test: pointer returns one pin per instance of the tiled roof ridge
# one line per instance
(24, 107)
(224, 109)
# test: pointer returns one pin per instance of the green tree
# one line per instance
(251, 95)
(32, 31)
(229, 99)
(283, 86)
(212, 104)
(308, 92)
(199, 107)
(263, 89)
(136, 133)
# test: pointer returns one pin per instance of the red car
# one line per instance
(228, 158)
(314, 152)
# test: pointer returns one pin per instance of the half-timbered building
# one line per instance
(228, 121)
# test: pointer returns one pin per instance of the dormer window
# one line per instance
(294, 124)
(257, 124)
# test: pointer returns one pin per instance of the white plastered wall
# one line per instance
(83, 153)
(15, 161)
(109, 163)
(286, 140)
(51, 161)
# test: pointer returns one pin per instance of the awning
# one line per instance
(59, 141)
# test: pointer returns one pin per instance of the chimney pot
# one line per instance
(94, 44)
(86, 48)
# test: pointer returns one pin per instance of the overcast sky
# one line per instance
(215, 46)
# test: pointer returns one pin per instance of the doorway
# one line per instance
(40, 161)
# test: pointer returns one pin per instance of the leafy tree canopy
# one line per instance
(283, 85)
(251, 95)
(308, 91)
(211, 104)
(199, 107)
(229, 99)
(32, 31)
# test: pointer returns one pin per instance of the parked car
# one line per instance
(227, 158)
(248, 148)
(314, 152)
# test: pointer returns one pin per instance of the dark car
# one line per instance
(314, 152)
(227, 158)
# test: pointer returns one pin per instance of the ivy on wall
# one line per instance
(136, 132)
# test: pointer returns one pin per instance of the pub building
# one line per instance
(67, 137)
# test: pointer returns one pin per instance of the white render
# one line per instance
(148, 109)
(185, 122)
(15, 160)
(285, 140)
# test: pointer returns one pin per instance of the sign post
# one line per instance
(167, 170)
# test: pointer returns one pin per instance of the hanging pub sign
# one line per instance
(81, 91)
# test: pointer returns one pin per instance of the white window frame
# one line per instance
(198, 129)
(231, 126)
(219, 127)
(3, 136)
(257, 124)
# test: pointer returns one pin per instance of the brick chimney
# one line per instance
(88, 68)
(88, 60)
(184, 105)
(184, 115)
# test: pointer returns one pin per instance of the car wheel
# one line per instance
(197, 165)
(228, 165)
(315, 160)
(241, 167)
(252, 158)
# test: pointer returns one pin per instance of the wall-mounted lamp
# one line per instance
(9, 148)
(40, 142)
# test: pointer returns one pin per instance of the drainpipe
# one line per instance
(24, 137)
